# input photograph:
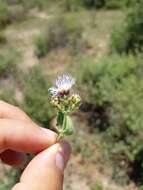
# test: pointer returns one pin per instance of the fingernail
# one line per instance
(63, 156)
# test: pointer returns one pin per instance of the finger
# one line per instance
(24, 136)
(47, 168)
(12, 112)
(13, 158)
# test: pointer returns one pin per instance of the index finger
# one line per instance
(24, 136)
(12, 112)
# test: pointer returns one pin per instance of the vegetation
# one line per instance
(109, 78)
(71, 5)
(2, 38)
(4, 14)
(13, 177)
(60, 33)
(113, 87)
(35, 91)
(128, 37)
(27, 4)
(97, 186)
(7, 63)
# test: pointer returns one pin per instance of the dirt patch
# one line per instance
(22, 41)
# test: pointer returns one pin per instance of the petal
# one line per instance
(65, 82)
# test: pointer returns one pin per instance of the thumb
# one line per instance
(46, 170)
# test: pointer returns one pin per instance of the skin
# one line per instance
(20, 135)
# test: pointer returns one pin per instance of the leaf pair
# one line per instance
(65, 124)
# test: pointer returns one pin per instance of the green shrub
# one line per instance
(141, 188)
(128, 3)
(41, 4)
(61, 33)
(71, 5)
(97, 186)
(7, 63)
(112, 81)
(17, 13)
(13, 2)
(94, 3)
(114, 4)
(4, 14)
(41, 46)
(34, 89)
(36, 99)
(115, 86)
(11, 13)
(11, 178)
(129, 36)
(2, 37)
(109, 4)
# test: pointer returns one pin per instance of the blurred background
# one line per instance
(100, 42)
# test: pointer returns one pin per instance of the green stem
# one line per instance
(59, 137)
(61, 126)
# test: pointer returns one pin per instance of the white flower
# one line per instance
(63, 85)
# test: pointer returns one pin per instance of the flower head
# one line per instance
(65, 103)
(63, 85)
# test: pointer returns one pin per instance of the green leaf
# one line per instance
(68, 127)
(60, 119)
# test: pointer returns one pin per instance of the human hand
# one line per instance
(20, 135)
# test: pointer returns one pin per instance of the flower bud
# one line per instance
(55, 101)
(75, 101)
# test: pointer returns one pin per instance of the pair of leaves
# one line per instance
(65, 122)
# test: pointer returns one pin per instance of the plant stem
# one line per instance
(60, 135)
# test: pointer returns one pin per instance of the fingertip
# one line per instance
(51, 135)
(48, 167)
(24, 136)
